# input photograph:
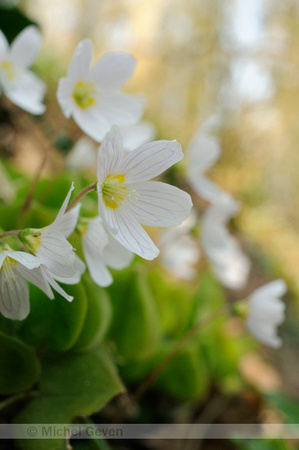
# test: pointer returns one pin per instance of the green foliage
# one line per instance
(288, 407)
(20, 367)
(73, 384)
(262, 444)
(98, 314)
(135, 327)
(186, 376)
(55, 323)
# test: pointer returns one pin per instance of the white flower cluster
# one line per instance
(128, 199)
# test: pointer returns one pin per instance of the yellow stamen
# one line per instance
(7, 67)
(84, 94)
(113, 190)
(9, 274)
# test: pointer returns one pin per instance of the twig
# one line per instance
(10, 233)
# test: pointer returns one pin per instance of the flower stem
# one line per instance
(91, 187)
(10, 233)
(159, 368)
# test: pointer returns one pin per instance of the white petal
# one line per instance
(275, 288)
(135, 135)
(150, 160)
(64, 96)
(109, 154)
(121, 109)
(48, 277)
(203, 153)
(27, 93)
(35, 277)
(3, 46)
(116, 255)
(79, 268)
(94, 241)
(160, 204)
(82, 155)
(131, 234)
(67, 223)
(26, 259)
(92, 122)
(206, 188)
(265, 333)
(80, 63)
(26, 47)
(56, 253)
(113, 70)
(14, 298)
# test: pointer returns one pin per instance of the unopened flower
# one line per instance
(18, 83)
(127, 199)
(14, 292)
(91, 95)
(101, 251)
(266, 312)
(231, 266)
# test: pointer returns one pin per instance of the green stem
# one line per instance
(91, 187)
(10, 233)
(98, 443)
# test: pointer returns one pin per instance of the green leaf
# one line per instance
(20, 368)
(98, 316)
(74, 384)
(135, 325)
(186, 375)
(55, 323)
(285, 405)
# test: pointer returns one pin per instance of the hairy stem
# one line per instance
(91, 187)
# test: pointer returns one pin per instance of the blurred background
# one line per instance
(196, 58)
(236, 58)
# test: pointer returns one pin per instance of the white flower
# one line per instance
(231, 266)
(266, 312)
(101, 251)
(14, 292)
(56, 255)
(128, 200)
(83, 155)
(202, 154)
(135, 135)
(19, 84)
(92, 94)
(179, 250)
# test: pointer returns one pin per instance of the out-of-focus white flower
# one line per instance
(55, 253)
(127, 199)
(179, 250)
(14, 292)
(83, 155)
(7, 189)
(18, 83)
(266, 312)
(92, 94)
(101, 251)
(231, 266)
(135, 135)
(202, 154)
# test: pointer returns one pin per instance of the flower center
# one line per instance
(84, 94)
(9, 276)
(7, 67)
(114, 190)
